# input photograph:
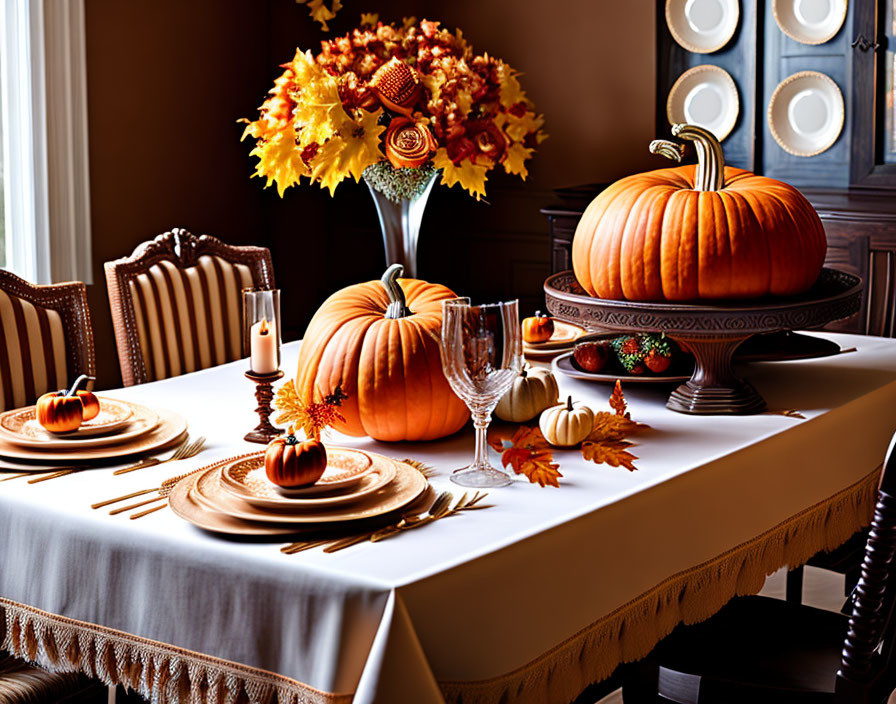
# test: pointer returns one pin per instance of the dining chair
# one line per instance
(176, 303)
(22, 683)
(46, 338)
(758, 649)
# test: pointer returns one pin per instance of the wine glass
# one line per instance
(481, 356)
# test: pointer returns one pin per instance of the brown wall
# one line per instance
(167, 79)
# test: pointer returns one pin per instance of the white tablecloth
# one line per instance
(465, 607)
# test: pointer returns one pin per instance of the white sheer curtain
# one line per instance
(45, 158)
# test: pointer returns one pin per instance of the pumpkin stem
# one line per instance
(76, 386)
(670, 150)
(569, 403)
(710, 174)
(397, 302)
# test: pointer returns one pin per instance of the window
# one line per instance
(43, 140)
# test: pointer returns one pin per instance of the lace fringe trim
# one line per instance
(631, 632)
(161, 673)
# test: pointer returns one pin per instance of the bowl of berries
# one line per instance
(641, 358)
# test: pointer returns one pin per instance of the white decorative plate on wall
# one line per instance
(702, 26)
(705, 96)
(805, 114)
(810, 21)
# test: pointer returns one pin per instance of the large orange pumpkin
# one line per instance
(379, 341)
(697, 232)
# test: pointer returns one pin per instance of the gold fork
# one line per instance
(185, 451)
(164, 489)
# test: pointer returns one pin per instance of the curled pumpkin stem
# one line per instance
(77, 385)
(710, 174)
(397, 302)
(670, 150)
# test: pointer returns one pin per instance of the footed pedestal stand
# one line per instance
(712, 332)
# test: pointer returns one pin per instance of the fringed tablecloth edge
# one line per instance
(161, 673)
(631, 631)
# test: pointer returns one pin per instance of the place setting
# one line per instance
(73, 429)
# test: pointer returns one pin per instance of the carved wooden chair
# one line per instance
(46, 338)
(758, 649)
(176, 303)
(21, 683)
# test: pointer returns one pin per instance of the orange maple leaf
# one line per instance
(611, 452)
(617, 400)
(529, 454)
(609, 426)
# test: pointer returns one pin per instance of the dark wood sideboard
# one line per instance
(861, 231)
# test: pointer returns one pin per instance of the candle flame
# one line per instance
(263, 330)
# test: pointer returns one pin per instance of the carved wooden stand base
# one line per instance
(264, 432)
(714, 388)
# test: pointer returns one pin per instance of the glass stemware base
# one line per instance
(480, 476)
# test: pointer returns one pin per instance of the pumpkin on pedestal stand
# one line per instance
(379, 342)
(708, 255)
(697, 232)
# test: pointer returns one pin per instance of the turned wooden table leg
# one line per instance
(264, 432)
(714, 388)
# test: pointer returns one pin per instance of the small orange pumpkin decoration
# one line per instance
(538, 328)
(697, 232)
(292, 464)
(63, 411)
(379, 341)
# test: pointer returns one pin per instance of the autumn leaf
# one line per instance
(606, 444)
(370, 18)
(617, 400)
(287, 401)
(469, 175)
(516, 158)
(609, 426)
(313, 417)
(528, 453)
(611, 452)
(279, 161)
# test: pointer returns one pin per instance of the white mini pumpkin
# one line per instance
(566, 425)
(532, 391)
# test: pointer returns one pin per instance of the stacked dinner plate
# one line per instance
(121, 429)
(563, 340)
(235, 496)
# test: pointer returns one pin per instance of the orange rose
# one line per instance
(408, 143)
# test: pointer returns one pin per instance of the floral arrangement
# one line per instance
(394, 104)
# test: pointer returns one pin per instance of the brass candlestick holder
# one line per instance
(264, 432)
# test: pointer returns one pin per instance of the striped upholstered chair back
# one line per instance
(46, 338)
(176, 303)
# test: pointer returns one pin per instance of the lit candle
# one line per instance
(263, 346)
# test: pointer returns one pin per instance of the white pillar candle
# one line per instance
(263, 348)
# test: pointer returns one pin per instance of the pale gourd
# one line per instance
(532, 391)
(566, 425)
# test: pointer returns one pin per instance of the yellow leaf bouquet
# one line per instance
(394, 104)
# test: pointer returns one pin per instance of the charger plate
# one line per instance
(21, 427)
(810, 21)
(806, 113)
(246, 480)
(705, 96)
(171, 426)
(702, 26)
(407, 486)
(186, 507)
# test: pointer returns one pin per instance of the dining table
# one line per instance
(529, 600)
